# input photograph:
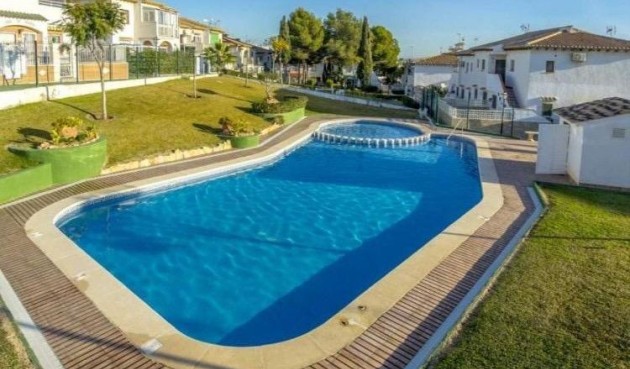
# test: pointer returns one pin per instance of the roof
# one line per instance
(235, 41)
(153, 3)
(30, 16)
(446, 59)
(566, 37)
(189, 23)
(598, 109)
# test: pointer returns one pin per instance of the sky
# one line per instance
(422, 27)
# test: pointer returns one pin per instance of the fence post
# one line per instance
(137, 66)
(157, 55)
(36, 64)
(76, 60)
(177, 60)
(512, 125)
(111, 70)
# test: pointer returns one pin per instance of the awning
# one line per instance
(548, 99)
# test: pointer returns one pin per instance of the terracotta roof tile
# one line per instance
(447, 59)
(19, 15)
(582, 40)
(598, 109)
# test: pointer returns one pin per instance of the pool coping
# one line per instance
(158, 339)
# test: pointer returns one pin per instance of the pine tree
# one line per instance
(366, 65)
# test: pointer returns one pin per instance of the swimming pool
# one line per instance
(268, 254)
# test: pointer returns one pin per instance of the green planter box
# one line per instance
(69, 164)
(244, 142)
(290, 117)
(24, 182)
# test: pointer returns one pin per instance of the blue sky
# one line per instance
(421, 26)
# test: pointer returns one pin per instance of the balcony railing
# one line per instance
(54, 3)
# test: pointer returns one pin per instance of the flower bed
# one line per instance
(286, 111)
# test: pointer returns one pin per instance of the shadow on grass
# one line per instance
(94, 116)
(208, 129)
(213, 92)
(206, 91)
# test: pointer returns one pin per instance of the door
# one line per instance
(499, 68)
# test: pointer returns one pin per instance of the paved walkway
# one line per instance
(82, 337)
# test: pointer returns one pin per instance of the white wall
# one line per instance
(128, 32)
(30, 6)
(574, 155)
(553, 145)
(519, 79)
(604, 74)
(605, 160)
(427, 75)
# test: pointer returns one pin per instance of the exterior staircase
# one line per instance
(511, 97)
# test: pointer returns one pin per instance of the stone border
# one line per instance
(160, 340)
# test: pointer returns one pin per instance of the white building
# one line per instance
(591, 144)
(435, 70)
(26, 21)
(543, 70)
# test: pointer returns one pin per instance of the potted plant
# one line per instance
(240, 132)
(75, 151)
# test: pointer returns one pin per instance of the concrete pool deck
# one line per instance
(403, 310)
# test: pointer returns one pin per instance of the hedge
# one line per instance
(285, 105)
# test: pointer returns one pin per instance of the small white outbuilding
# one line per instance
(591, 143)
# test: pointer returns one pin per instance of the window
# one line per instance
(619, 133)
(550, 67)
(125, 15)
(547, 108)
(483, 64)
(484, 96)
(512, 65)
(56, 39)
(148, 15)
(477, 63)
(476, 94)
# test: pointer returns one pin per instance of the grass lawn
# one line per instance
(12, 353)
(157, 118)
(564, 301)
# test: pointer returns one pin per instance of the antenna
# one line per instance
(525, 27)
(611, 30)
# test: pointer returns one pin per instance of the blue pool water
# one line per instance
(371, 130)
(268, 254)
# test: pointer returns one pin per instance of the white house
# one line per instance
(26, 21)
(543, 70)
(591, 144)
(430, 71)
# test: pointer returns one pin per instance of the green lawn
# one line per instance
(157, 118)
(12, 353)
(564, 301)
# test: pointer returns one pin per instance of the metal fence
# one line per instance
(34, 63)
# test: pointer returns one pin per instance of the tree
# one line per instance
(365, 68)
(342, 39)
(306, 37)
(91, 25)
(385, 50)
(283, 46)
(392, 75)
(219, 55)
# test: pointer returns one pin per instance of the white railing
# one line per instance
(519, 115)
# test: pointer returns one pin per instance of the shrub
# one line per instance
(240, 127)
(370, 88)
(70, 131)
(409, 102)
(285, 105)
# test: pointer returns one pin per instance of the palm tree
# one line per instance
(219, 55)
